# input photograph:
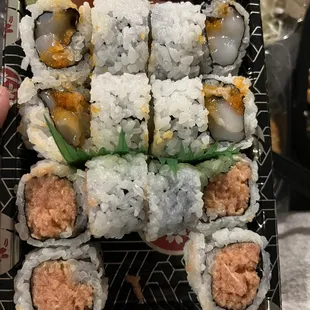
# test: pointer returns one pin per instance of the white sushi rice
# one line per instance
(199, 258)
(214, 10)
(210, 169)
(35, 132)
(178, 42)
(85, 263)
(250, 110)
(120, 36)
(180, 117)
(80, 42)
(174, 200)
(120, 103)
(116, 195)
(33, 126)
(71, 237)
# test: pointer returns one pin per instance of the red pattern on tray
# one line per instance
(3, 250)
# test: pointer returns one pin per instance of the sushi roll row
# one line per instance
(162, 117)
(64, 42)
(189, 40)
(194, 114)
(212, 195)
(116, 195)
(228, 270)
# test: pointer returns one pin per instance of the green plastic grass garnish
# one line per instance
(73, 156)
(187, 156)
(76, 156)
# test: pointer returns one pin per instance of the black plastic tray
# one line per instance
(163, 278)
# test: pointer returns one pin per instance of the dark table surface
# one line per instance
(2, 19)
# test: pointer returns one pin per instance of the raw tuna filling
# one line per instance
(228, 194)
(50, 206)
(234, 277)
(53, 287)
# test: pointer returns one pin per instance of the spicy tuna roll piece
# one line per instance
(61, 278)
(230, 192)
(232, 110)
(120, 104)
(55, 39)
(120, 36)
(67, 108)
(174, 199)
(178, 41)
(180, 117)
(230, 270)
(228, 36)
(50, 210)
(115, 193)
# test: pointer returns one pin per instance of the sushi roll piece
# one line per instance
(228, 36)
(174, 200)
(231, 270)
(180, 117)
(56, 39)
(230, 193)
(115, 194)
(178, 41)
(120, 103)
(61, 278)
(232, 110)
(67, 108)
(120, 36)
(50, 209)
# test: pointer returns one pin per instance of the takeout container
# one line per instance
(159, 264)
